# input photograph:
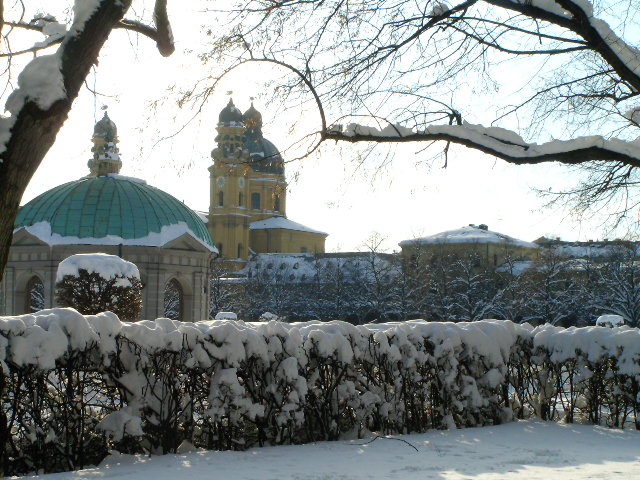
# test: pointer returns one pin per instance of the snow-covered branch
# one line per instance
(500, 142)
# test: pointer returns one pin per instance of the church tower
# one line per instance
(228, 216)
(248, 199)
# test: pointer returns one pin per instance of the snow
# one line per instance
(531, 450)
(610, 321)
(281, 222)
(439, 8)
(168, 233)
(107, 266)
(41, 82)
(469, 234)
(226, 316)
(82, 11)
(117, 176)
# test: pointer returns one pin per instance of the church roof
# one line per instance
(283, 223)
(110, 210)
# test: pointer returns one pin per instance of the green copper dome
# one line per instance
(113, 208)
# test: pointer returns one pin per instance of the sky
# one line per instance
(400, 197)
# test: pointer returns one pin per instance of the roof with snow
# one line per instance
(110, 210)
(469, 234)
(283, 223)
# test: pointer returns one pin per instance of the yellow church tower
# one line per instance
(248, 194)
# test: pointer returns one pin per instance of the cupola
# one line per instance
(106, 156)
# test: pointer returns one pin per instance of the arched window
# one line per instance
(255, 201)
(276, 202)
(173, 300)
(240, 199)
(239, 250)
(221, 199)
(220, 249)
(34, 297)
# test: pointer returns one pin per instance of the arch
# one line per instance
(34, 300)
(173, 300)
(221, 198)
(276, 202)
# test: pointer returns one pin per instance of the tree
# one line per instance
(414, 70)
(49, 84)
(94, 283)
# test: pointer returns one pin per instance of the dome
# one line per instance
(106, 129)
(230, 114)
(263, 155)
(252, 118)
(113, 210)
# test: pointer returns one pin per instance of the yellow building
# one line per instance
(248, 193)
(492, 249)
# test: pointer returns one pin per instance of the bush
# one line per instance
(78, 386)
(94, 283)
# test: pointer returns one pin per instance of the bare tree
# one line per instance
(49, 84)
(414, 70)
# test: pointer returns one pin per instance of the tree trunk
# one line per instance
(35, 129)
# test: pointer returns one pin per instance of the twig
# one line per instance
(386, 438)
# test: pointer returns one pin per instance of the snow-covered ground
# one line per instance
(528, 450)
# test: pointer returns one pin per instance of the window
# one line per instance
(220, 249)
(255, 201)
(303, 249)
(240, 199)
(173, 300)
(220, 198)
(35, 295)
(239, 250)
(276, 203)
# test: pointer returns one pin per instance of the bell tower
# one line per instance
(228, 216)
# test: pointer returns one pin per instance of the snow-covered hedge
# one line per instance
(77, 385)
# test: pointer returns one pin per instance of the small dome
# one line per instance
(252, 118)
(106, 129)
(230, 114)
(111, 208)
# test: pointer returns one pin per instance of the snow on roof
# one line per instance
(204, 216)
(42, 230)
(469, 234)
(307, 267)
(107, 266)
(283, 223)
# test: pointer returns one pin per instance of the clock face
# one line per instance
(241, 182)
(221, 182)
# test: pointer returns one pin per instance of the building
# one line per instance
(248, 203)
(492, 249)
(109, 213)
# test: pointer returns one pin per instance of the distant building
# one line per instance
(247, 209)
(492, 249)
(594, 250)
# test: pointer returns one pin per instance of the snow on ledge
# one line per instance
(42, 230)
